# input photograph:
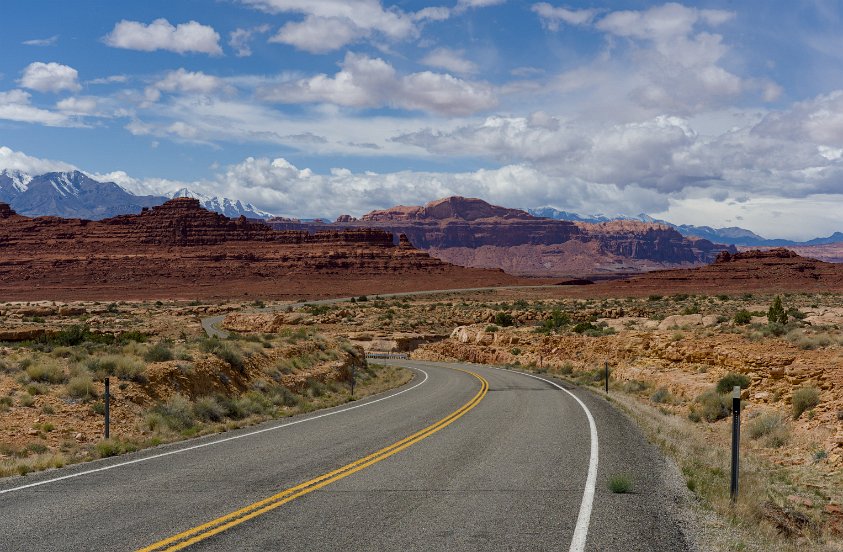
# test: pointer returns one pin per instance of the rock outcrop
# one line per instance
(180, 249)
(774, 270)
(471, 232)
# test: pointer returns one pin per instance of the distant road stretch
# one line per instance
(464, 457)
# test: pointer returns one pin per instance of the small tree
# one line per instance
(504, 319)
(777, 314)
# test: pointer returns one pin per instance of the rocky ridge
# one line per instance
(772, 270)
(180, 248)
(471, 232)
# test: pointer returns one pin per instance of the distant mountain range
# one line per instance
(73, 194)
(731, 235)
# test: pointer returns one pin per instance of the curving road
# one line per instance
(493, 460)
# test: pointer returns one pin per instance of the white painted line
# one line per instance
(584, 517)
(218, 441)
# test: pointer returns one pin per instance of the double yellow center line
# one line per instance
(220, 524)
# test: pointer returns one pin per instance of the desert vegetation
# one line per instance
(167, 382)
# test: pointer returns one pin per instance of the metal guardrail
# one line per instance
(387, 355)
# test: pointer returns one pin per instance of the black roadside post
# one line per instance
(107, 408)
(736, 440)
(606, 374)
(353, 373)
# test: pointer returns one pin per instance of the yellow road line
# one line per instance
(223, 523)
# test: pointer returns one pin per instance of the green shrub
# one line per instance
(729, 381)
(37, 389)
(209, 409)
(620, 483)
(26, 400)
(72, 336)
(742, 317)
(772, 426)
(225, 351)
(114, 447)
(804, 398)
(582, 327)
(47, 371)
(515, 351)
(504, 319)
(315, 388)
(123, 367)
(775, 329)
(713, 406)
(281, 396)
(82, 387)
(661, 395)
(37, 448)
(253, 402)
(136, 336)
(491, 328)
(796, 314)
(159, 352)
(176, 413)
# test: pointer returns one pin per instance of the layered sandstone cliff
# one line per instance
(471, 232)
(181, 249)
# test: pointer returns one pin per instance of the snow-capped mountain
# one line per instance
(231, 208)
(73, 194)
(12, 184)
(553, 213)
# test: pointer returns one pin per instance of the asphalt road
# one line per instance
(508, 470)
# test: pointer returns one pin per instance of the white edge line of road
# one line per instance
(211, 443)
(584, 517)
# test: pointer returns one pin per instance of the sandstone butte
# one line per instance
(773, 271)
(180, 250)
(471, 232)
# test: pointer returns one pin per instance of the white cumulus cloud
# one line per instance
(161, 35)
(50, 77)
(189, 82)
(372, 82)
(331, 24)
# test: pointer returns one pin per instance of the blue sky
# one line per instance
(721, 113)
